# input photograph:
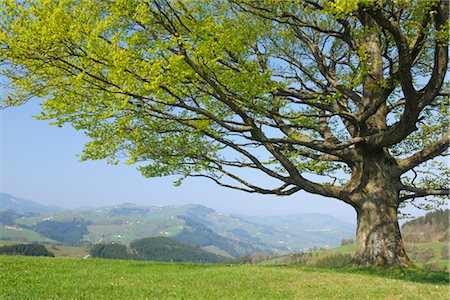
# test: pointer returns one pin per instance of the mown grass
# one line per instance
(62, 278)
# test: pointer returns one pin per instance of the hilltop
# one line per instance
(9, 202)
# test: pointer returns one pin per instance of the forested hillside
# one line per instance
(66, 232)
(155, 249)
(25, 249)
(433, 227)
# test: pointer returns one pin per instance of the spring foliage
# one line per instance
(197, 88)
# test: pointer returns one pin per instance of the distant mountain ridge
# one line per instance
(8, 201)
(197, 225)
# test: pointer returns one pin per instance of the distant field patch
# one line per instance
(15, 232)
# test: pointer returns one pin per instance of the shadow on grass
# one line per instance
(414, 274)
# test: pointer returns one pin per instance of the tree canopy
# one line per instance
(338, 98)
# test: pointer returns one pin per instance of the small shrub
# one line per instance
(347, 242)
(299, 258)
(412, 251)
(425, 255)
(240, 260)
(433, 267)
(445, 252)
(334, 261)
(258, 257)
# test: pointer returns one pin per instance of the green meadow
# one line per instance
(72, 278)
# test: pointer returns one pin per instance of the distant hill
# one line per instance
(302, 231)
(67, 232)
(155, 249)
(166, 249)
(9, 202)
(198, 234)
(426, 243)
(433, 227)
(196, 225)
(25, 249)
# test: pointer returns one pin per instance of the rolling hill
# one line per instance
(8, 202)
(222, 234)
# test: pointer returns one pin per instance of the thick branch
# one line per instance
(415, 101)
(405, 59)
(433, 87)
(419, 193)
(428, 153)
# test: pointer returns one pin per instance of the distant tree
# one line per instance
(110, 250)
(342, 98)
(445, 252)
(258, 257)
(25, 249)
(433, 227)
(439, 217)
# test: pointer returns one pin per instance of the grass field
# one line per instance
(63, 278)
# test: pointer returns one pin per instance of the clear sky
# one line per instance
(38, 162)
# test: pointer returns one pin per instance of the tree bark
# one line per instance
(378, 237)
(374, 194)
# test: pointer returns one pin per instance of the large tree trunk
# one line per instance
(378, 237)
(376, 199)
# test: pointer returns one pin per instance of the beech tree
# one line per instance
(344, 99)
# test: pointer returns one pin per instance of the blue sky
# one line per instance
(39, 162)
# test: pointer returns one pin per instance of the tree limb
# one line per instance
(433, 150)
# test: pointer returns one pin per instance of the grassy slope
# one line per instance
(31, 277)
(435, 247)
(437, 262)
(346, 249)
(24, 234)
(67, 251)
(6, 242)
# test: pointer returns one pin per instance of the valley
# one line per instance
(226, 235)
